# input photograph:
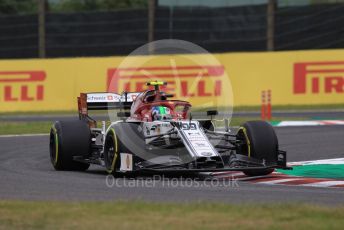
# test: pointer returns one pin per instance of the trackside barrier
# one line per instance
(294, 77)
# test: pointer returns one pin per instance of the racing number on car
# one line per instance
(190, 126)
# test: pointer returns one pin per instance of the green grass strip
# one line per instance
(7, 128)
(168, 216)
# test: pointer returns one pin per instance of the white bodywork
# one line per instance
(189, 132)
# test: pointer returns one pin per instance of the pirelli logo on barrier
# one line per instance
(22, 86)
(319, 77)
(183, 81)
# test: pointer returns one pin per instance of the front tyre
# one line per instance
(207, 125)
(260, 143)
(121, 138)
(111, 152)
(67, 140)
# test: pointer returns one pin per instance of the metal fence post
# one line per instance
(270, 28)
(171, 23)
(151, 18)
(41, 28)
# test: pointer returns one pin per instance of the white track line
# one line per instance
(277, 181)
(333, 161)
(309, 123)
(325, 184)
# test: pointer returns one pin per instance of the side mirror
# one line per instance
(212, 113)
(169, 95)
(123, 114)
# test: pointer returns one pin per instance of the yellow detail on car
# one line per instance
(56, 144)
(116, 152)
(247, 141)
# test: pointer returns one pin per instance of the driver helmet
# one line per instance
(161, 113)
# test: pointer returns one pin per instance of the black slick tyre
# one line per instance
(67, 140)
(117, 140)
(207, 124)
(260, 143)
(111, 152)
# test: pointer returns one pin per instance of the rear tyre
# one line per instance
(67, 140)
(260, 143)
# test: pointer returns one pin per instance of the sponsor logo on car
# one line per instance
(148, 131)
(194, 134)
(319, 77)
(187, 126)
(126, 162)
(200, 144)
(206, 154)
(22, 86)
(103, 97)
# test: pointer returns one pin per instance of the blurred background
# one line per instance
(72, 28)
(282, 58)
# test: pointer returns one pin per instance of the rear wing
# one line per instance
(105, 101)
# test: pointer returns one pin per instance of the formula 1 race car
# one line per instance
(159, 135)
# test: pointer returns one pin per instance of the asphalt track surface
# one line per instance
(26, 174)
